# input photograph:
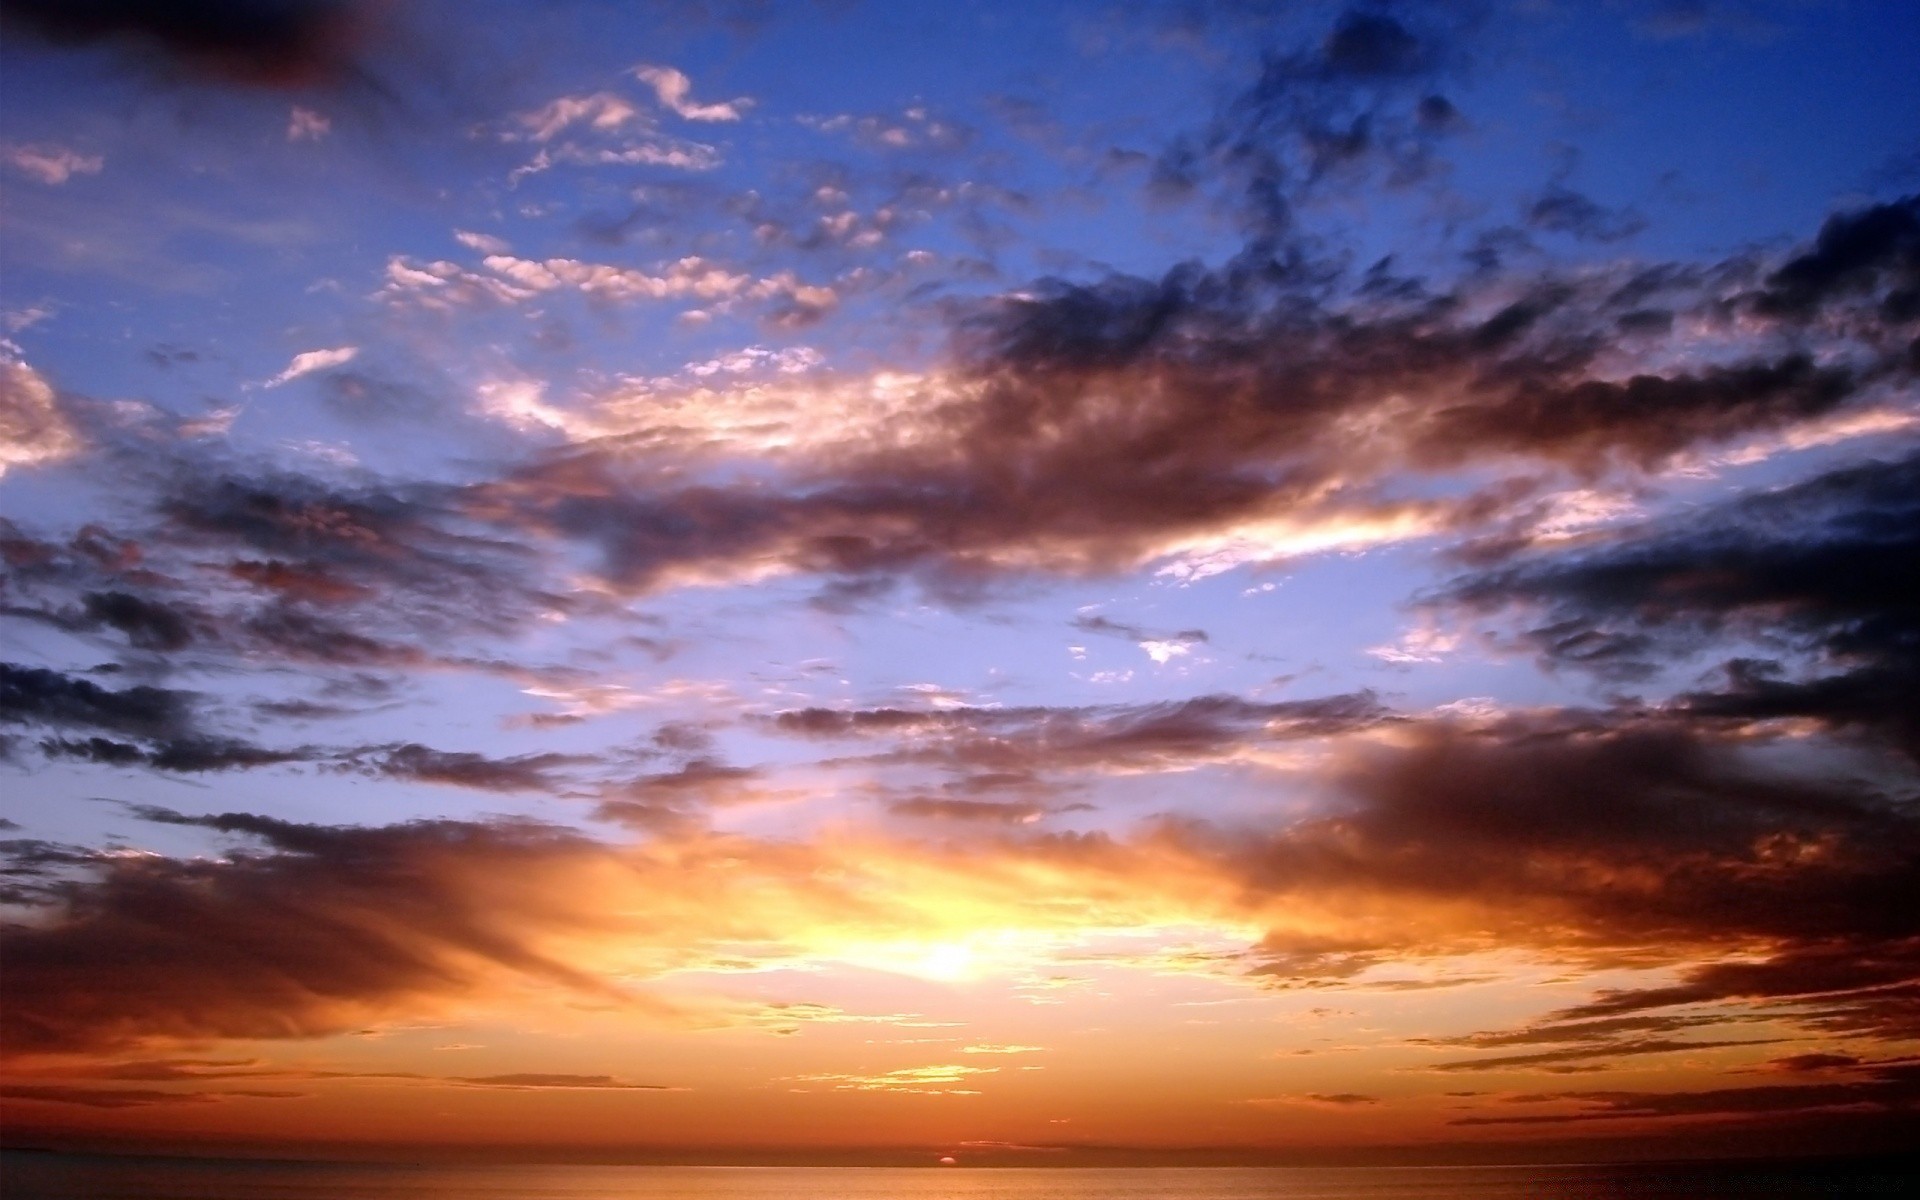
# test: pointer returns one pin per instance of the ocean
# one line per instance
(39, 1176)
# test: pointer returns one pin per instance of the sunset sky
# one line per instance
(1030, 582)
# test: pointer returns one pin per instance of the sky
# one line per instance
(1222, 580)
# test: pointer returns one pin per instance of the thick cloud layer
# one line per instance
(268, 43)
(1818, 582)
(1093, 428)
(324, 929)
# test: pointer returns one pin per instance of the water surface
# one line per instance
(34, 1176)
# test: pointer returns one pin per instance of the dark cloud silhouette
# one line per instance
(36, 695)
(185, 755)
(1821, 572)
(1107, 627)
(1894, 1087)
(147, 624)
(412, 761)
(1872, 254)
(1549, 1060)
(252, 43)
(32, 870)
(315, 933)
(111, 1098)
(266, 43)
(1560, 209)
(1629, 839)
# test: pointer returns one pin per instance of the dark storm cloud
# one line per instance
(317, 931)
(1036, 739)
(266, 43)
(1822, 572)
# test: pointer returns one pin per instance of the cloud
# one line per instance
(937, 1080)
(1815, 572)
(33, 428)
(1171, 736)
(1592, 840)
(1357, 105)
(602, 111)
(1159, 646)
(1871, 253)
(314, 360)
(1892, 1088)
(306, 125)
(190, 755)
(114, 1098)
(673, 89)
(51, 165)
(940, 808)
(1272, 407)
(599, 129)
(265, 43)
(484, 243)
(1560, 209)
(37, 695)
(534, 1081)
(1625, 1048)
(414, 762)
(327, 928)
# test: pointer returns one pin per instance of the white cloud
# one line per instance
(306, 125)
(1421, 644)
(32, 427)
(17, 319)
(485, 243)
(679, 155)
(51, 165)
(690, 276)
(603, 111)
(311, 361)
(1162, 652)
(673, 88)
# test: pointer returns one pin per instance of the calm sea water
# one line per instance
(64, 1177)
